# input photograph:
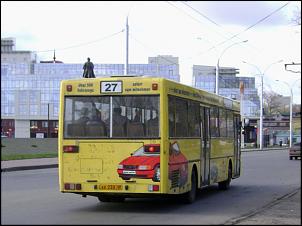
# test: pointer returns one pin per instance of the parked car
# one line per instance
(295, 151)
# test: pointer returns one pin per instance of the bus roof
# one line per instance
(131, 84)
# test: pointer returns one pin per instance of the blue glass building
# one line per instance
(30, 92)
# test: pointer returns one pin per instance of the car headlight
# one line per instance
(120, 166)
(144, 167)
(156, 176)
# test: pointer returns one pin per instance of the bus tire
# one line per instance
(224, 185)
(190, 196)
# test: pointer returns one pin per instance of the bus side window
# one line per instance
(152, 127)
(181, 117)
(171, 112)
(214, 122)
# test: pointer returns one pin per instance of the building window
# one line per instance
(44, 109)
(23, 109)
(33, 109)
(44, 124)
(33, 124)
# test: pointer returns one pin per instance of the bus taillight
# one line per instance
(152, 148)
(71, 149)
(69, 88)
(153, 187)
(69, 186)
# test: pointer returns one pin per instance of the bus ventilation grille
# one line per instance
(175, 178)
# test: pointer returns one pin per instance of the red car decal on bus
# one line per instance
(178, 166)
(143, 163)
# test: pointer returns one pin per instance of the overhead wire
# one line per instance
(81, 44)
(145, 46)
(162, 57)
(233, 36)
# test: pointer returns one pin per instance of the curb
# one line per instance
(265, 149)
(18, 168)
(267, 206)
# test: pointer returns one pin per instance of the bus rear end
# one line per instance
(109, 140)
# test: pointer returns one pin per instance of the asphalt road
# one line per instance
(33, 197)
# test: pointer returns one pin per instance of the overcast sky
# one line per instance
(198, 32)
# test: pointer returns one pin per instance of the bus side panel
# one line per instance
(183, 154)
(60, 137)
(222, 150)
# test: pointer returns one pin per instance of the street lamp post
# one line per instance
(48, 120)
(217, 66)
(290, 111)
(261, 100)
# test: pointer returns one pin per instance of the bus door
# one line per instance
(205, 145)
(237, 143)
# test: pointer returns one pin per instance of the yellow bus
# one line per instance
(126, 136)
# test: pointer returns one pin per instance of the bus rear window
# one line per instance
(111, 117)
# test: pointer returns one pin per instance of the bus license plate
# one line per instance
(111, 187)
(131, 172)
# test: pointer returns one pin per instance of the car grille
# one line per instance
(129, 167)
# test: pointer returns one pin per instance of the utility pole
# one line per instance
(48, 120)
(54, 56)
(241, 88)
(261, 100)
(217, 66)
(290, 110)
(127, 48)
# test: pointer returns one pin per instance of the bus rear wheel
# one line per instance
(190, 196)
(224, 185)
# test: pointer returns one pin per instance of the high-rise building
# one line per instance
(204, 77)
(30, 92)
(8, 45)
(10, 55)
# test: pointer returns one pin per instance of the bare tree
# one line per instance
(296, 19)
(297, 109)
(274, 104)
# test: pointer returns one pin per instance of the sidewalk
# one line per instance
(283, 211)
(29, 164)
(264, 149)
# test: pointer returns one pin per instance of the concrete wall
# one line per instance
(29, 145)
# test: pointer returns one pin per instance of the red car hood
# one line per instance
(141, 160)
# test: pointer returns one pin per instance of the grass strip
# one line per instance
(5, 157)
